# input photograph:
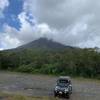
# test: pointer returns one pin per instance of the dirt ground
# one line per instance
(42, 85)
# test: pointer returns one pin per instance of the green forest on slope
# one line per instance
(73, 62)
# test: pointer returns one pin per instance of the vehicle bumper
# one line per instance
(61, 93)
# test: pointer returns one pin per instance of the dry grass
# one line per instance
(4, 96)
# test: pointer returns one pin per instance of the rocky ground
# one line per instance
(42, 85)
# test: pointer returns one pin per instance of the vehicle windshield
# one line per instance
(62, 83)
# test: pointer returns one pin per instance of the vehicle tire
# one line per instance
(68, 96)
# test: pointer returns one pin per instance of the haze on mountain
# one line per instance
(44, 43)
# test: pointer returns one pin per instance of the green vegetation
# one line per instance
(73, 62)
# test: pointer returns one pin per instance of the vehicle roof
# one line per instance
(64, 77)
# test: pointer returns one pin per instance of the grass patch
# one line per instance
(6, 96)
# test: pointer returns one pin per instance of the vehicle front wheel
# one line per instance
(68, 96)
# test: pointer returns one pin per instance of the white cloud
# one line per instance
(7, 41)
(1, 49)
(76, 21)
(3, 5)
(12, 37)
(28, 31)
(71, 22)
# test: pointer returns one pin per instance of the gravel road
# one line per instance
(42, 85)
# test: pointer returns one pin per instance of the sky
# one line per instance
(70, 22)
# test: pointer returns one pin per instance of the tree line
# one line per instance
(73, 62)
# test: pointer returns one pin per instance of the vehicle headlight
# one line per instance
(66, 90)
(56, 88)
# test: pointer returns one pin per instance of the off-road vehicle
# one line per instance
(63, 87)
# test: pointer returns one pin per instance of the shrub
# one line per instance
(25, 68)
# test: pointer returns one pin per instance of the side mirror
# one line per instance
(70, 85)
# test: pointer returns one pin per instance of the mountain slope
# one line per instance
(44, 43)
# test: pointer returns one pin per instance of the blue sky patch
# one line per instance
(11, 14)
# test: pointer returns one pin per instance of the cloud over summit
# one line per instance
(71, 22)
(76, 21)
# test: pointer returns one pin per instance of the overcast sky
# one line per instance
(71, 22)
